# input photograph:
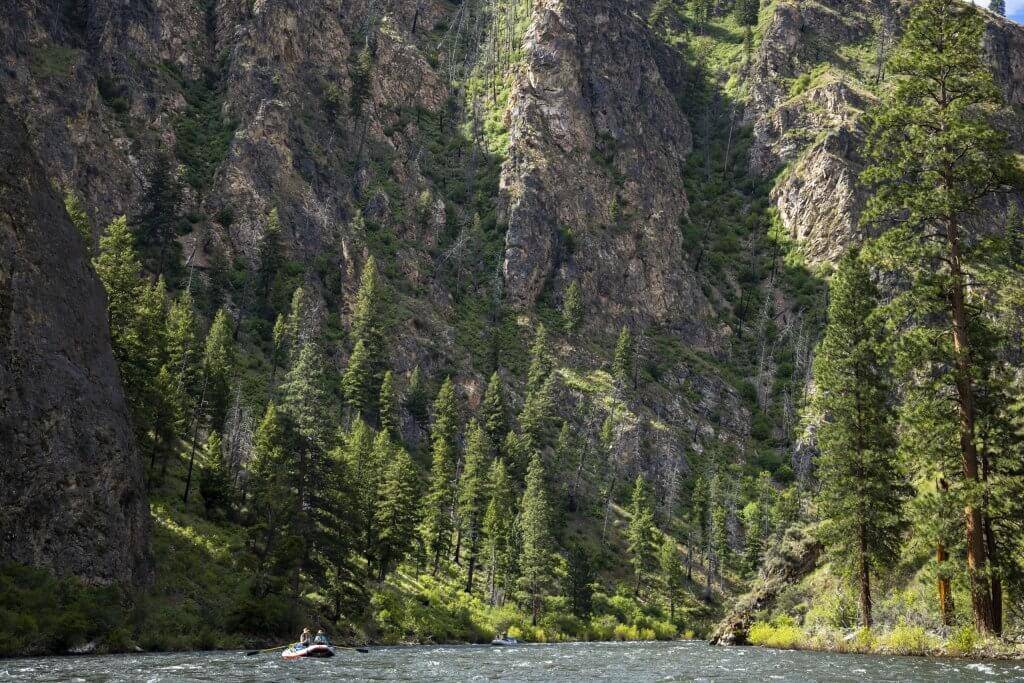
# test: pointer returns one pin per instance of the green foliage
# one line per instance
(572, 307)
(905, 639)
(624, 363)
(358, 384)
(641, 534)
(397, 512)
(935, 158)
(40, 613)
(388, 403)
(202, 133)
(214, 482)
(747, 11)
(473, 496)
(80, 219)
(499, 534)
(439, 503)
(862, 486)
(781, 633)
(538, 543)
(219, 365)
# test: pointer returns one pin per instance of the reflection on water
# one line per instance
(682, 661)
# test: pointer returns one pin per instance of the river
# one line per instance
(678, 661)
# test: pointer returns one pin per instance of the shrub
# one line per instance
(782, 633)
(963, 641)
(908, 640)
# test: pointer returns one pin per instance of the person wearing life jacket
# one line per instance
(321, 638)
(305, 640)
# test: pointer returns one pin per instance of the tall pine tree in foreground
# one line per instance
(538, 543)
(473, 496)
(672, 576)
(934, 160)
(862, 486)
(498, 533)
(439, 504)
(397, 511)
(641, 533)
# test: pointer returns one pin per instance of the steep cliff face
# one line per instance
(593, 188)
(71, 490)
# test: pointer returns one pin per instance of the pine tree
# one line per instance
(158, 225)
(672, 577)
(80, 219)
(301, 324)
(278, 353)
(493, 413)
(366, 457)
(214, 483)
(397, 513)
(747, 11)
(640, 535)
(274, 491)
(389, 421)
(219, 368)
(369, 317)
(119, 270)
(998, 6)
(623, 363)
(516, 452)
(934, 160)
(439, 505)
(269, 256)
(306, 397)
(538, 543)
(183, 349)
(538, 418)
(473, 496)
(572, 308)
(416, 397)
(541, 361)
(358, 382)
(862, 491)
(580, 579)
(498, 532)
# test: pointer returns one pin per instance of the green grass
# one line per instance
(52, 61)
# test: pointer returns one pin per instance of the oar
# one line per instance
(269, 649)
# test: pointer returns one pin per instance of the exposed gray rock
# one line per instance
(71, 489)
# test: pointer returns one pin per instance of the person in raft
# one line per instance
(305, 640)
(321, 638)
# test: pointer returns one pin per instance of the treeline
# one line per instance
(920, 390)
(335, 490)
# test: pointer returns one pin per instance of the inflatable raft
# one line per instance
(295, 652)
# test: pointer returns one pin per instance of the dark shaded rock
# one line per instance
(71, 489)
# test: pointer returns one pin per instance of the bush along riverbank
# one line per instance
(902, 639)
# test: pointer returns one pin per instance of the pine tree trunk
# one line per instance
(865, 579)
(469, 572)
(945, 594)
(977, 557)
(997, 583)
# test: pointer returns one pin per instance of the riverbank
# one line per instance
(783, 633)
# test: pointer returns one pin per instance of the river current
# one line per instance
(632, 662)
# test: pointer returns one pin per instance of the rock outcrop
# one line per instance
(795, 557)
(593, 188)
(71, 489)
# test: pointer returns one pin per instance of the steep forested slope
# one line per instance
(608, 223)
